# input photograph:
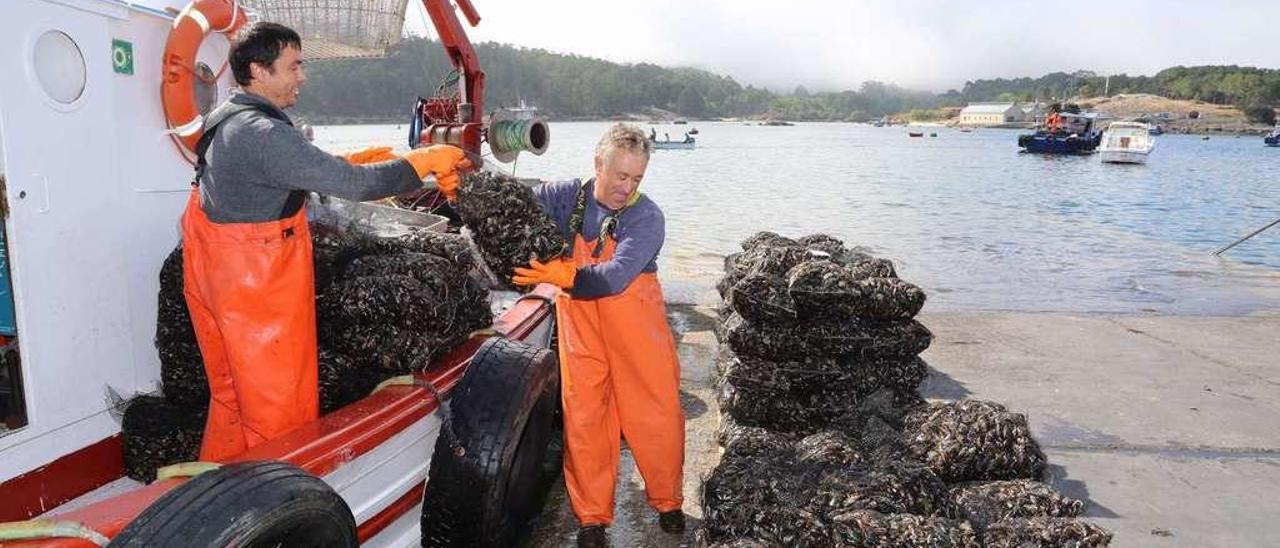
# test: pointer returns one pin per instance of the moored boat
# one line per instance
(1073, 134)
(1126, 143)
(1273, 139)
(85, 287)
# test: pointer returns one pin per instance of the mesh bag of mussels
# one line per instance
(507, 223)
(385, 307)
(827, 441)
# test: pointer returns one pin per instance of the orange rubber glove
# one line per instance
(371, 155)
(443, 161)
(558, 272)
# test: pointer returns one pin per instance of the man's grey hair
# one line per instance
(623, 137)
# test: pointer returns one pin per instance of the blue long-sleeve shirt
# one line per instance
(640, 232)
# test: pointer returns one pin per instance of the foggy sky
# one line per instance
(932, 45)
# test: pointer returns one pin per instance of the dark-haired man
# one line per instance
(247, 265)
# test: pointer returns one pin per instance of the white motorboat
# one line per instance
(1127, 143)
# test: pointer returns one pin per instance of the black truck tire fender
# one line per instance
(245, 504)
(486, 484)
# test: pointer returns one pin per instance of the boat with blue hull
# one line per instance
(1073, 134)
(1273, 139)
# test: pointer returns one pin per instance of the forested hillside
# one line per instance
(576, 87)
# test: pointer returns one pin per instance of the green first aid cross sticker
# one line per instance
(122, 56)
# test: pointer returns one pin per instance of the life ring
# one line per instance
(177, 92)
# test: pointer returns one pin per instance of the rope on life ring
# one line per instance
(177, 90)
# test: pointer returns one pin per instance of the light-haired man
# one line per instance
(619, 373)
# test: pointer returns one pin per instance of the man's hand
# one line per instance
(371, 155)
(559, 272)
(443, 161)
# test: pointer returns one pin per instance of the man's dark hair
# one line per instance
(260, 43)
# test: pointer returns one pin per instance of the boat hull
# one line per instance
(1049, 144)
(1123, 157)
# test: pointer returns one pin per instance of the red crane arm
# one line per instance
(453, 37)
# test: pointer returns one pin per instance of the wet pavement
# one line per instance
(1164, 425)
(635, 523)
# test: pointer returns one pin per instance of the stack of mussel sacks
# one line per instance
(826, 439)
(385, 307)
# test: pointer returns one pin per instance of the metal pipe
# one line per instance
(1251, 234)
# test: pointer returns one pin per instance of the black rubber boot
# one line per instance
(672, 522)
(593, 536)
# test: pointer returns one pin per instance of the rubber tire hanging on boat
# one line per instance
(487, 483)
(246, 504)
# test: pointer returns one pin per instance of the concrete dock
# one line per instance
(1168, 427)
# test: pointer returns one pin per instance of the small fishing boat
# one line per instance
(1074, 134)
(966, 130)
(1273, 139)
(686, 144)
(693, 131)
(1126, 143)
(915, 134)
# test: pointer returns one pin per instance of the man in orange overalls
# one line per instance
(247, 266)
(619, 372)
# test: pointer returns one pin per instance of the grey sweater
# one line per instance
(259, 169)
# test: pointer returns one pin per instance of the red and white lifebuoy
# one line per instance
(177, 90)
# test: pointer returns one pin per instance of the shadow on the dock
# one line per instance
(693, 406)
(939, 385)
(688, 318)
(1057, 476)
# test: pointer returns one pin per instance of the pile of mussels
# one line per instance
(826, 439)
(384, 307)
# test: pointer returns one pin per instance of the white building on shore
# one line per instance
(992, 114)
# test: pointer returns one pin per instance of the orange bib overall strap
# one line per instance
(250, 289)
(620, 378)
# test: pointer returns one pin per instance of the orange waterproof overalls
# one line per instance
(620, 377)
(250, 290)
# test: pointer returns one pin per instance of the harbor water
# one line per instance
(977, 224)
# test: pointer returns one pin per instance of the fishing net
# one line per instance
(1045, 532)
(741, 543)
(863, 265)
(385, 307)
(742, 440)
(832, 246)
(762, 298)
(507, 223)
(769, 239)
(893, 486)
(973, 440)
(763, 497)
(870, 529)
(157, 432)
(394, 313)
(336, 29)
(805, 396)
(870, 339)
(181, 365)
(828, 447)
(984, 503)
(827, 439)
(824, 290)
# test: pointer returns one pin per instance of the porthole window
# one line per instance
(59, 66)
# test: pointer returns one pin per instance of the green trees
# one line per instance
(573, 86)
(1260, 114)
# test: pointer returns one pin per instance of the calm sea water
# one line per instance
(964, 215)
